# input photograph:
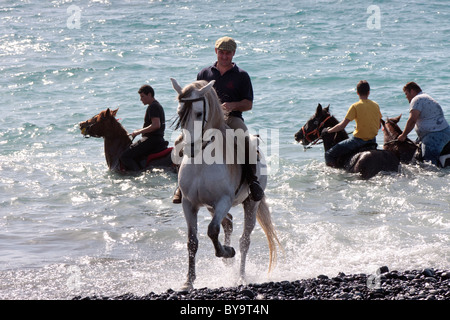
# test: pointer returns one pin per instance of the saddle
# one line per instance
(158, 155)
(151, 159)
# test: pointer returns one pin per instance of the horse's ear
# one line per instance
(319, 109)
(176, 86)
(108, 112)
(206, 88)
(327, 109)
(114, 112)
(396, 119)
(382, 122)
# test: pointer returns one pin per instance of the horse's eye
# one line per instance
(316, 122)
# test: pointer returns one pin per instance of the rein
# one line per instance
(86, 130)
(315, 131)
(87, 134)
(396, 140)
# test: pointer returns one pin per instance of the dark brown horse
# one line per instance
(407, 151)
(117, 140)
(368, 161)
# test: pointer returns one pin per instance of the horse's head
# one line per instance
(391, 129)
(311, 130)
(404, 150)
(199, 107)
(99, 124)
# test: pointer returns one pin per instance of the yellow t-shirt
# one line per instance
(367, 115)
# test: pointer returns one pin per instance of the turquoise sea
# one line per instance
(69, 227)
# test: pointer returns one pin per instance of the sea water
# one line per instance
(69, 227)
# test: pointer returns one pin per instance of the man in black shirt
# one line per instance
(235, 91)
(152, 140)
(232, 84)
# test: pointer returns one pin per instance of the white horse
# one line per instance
(219, 185)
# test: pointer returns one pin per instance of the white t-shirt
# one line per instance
(431, 117)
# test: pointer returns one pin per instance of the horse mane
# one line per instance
(403, 150)
(329, 140)
(215, 119)
(117, 128)
(395, 129)
(120, 129)
(341, 135)
(391, 129)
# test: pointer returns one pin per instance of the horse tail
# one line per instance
(264, 219)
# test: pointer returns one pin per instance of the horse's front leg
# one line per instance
(227, 224)
(190, 213)
(220, 213)
(250, 208)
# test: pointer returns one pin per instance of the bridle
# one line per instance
(396, 139)
(86, 131)
(316, 131)
(204, 120)
(204, 107)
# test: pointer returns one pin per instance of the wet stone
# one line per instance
(383, 269)
(247, 293)
(428, 272)
(424, 284)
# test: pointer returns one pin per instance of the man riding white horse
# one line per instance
(216, 185)
(235, 91)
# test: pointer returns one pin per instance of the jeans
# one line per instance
(343, 148)
(433, 143)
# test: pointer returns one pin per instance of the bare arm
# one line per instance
(243, 105)
(340, 126)
(413, 117)
(156, 124)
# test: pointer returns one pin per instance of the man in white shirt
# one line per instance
(427, 117)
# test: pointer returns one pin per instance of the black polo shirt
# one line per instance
(234, 85)
(155, 110)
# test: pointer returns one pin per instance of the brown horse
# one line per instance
(404, 150)
(368, 161)
(407, 151)
(117, 140)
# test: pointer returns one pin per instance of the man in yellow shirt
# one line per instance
(367, 116)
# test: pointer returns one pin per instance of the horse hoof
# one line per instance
(186, 287)
(242, 281)
(229, 252)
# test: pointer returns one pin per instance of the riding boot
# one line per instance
(177, 196)
(256, 191)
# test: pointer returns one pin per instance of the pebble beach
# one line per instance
(425, 284)
(73, 230)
